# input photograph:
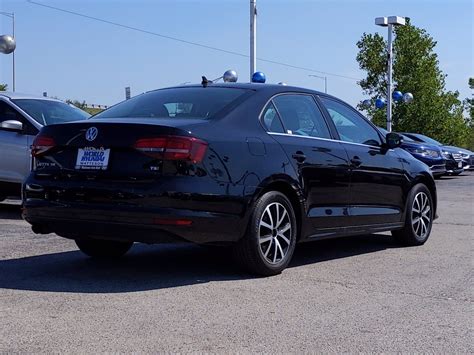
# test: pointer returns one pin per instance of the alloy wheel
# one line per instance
(274, 233)
(421, 215)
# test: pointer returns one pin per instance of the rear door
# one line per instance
(297, 123)
(14, 146)
(377, 175)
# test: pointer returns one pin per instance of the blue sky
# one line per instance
(78, 58)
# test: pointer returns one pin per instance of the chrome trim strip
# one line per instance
(323, 139)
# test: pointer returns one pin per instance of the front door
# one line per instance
(320, 162)
(377, 177)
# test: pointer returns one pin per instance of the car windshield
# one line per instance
(422, 138)
(48, 112)
(192, 102)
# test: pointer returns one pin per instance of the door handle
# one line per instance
(299, 156)
(356, 162)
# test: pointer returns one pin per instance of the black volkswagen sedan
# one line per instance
(260, 167)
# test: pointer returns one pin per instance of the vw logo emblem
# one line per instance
(91, 134)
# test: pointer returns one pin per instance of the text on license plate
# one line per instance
(92, 158)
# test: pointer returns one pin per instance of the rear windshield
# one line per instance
(48, 112)
(192, 102)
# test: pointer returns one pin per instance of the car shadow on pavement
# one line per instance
(159, 266)
(10, 211)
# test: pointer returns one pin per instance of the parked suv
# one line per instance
(21, 117)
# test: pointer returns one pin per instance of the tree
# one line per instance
(82, 105)
(435, 112)
(3, 87)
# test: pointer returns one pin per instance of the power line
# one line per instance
(187, 42)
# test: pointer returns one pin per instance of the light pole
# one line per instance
(253, 37)
(325, 78)
(389, 22)
(12, 16)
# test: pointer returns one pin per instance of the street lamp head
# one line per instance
(396, 20)
(381, 21)
(7, 44)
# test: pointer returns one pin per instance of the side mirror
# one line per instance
(11, 125)
(393, 140)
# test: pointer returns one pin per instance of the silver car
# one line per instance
(21, 117)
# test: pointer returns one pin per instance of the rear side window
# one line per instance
(271, 120)
(301, 115)
(193, 102)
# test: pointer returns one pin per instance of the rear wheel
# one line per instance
(270, 241)
(418, 217)
(106, 249)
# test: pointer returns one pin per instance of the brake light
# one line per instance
(173, 148)
(41, 145)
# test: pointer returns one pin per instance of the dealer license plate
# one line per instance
(92, 158)
(460, 164)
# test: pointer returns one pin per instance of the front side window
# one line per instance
(350, 125)
(193, 102)
(301, 116)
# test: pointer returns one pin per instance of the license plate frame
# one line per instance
(89, 158)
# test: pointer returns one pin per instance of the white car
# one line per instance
(21, 118)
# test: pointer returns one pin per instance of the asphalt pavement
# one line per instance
(357, 294)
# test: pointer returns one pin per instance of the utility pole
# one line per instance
(253, 37)
(325, 78)
(12, 16)
(389, 22)
(389, 81)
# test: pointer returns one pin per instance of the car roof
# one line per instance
(271, 88)
(15, 95)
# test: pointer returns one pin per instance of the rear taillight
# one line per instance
(41, 145)
(173, 148)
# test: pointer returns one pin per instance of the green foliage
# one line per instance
(83, 106)
(469, 105)
(435, 112)
(3, 87)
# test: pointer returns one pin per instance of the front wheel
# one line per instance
(103, 249)
(270, 241)
(418, 217)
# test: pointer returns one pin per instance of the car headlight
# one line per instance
(465, 155)
(424, 152)
(446, 155)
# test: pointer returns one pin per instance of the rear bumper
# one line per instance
(160, 225)
(149, 212)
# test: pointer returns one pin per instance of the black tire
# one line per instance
(418, 225)
(261, 257)
(103, 249)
